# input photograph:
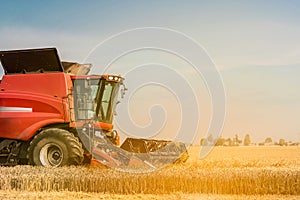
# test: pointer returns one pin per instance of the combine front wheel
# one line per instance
(55, 147)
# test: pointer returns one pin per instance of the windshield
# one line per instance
(95, 99)
(107, 101)
(84, 93)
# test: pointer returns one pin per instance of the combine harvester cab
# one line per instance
(53, 114)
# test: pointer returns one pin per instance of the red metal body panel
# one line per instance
(31, 101)
(51, 84)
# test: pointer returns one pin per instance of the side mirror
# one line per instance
(123, 91)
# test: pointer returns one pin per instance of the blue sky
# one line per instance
(255, 44)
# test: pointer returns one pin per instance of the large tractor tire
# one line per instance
(55, 147)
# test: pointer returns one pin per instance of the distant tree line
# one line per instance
(236, 141)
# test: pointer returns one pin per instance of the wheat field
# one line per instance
(271, 172)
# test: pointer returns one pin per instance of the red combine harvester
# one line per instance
(53, 114)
